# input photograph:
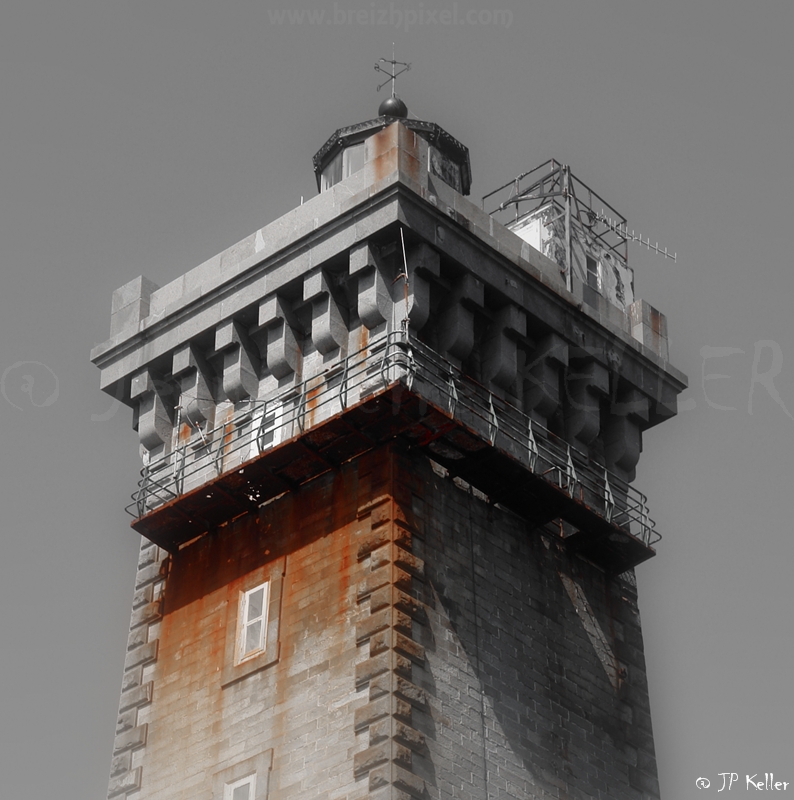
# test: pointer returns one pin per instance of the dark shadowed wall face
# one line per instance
(535, 661)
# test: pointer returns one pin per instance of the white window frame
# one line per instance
(276, 411)
(248, 780)
(254, 771)
(245, 623)
(272, 574)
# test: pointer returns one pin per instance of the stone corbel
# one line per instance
(623, 433)
(155, 408)
(542, 377)
(423, 265)
(500, 349)
(586, 384)
(329, 330)
(240, 361)
(456, 325)
(195, 384)
(373, 290)
(281, 345)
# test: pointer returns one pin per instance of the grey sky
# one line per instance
(145, 137)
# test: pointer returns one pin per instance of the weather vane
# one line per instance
(393, 74)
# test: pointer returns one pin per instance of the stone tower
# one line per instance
(387, 527)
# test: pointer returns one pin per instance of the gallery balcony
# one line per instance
(395, 389)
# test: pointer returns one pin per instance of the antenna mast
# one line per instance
(623, 231)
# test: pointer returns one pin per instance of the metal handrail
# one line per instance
(357, 375)
(590, 477)
(385, 361)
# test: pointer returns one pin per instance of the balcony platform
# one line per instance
(422, 404)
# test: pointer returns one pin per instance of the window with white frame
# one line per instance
(253, 622)
(245, 780)
(244, 789)
(271, 425)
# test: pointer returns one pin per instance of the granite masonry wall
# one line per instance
(423, 643)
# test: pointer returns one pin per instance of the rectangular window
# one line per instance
(271, 424)
(245, 780)
(244, 789)
(332, 173)
(352, 159)
(253, 622)
(592, 273)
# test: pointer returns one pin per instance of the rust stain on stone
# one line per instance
(384, 149)
(656, 321)
(311, 400)
(363, 338)
(184, 433)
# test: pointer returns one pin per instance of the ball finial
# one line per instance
(393, 107)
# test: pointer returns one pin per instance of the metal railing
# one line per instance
(260, 425)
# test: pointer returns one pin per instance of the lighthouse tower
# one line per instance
(388, 527)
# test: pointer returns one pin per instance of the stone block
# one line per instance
(372, 667)
(167, 297)
(132, 677)
(136, 290)
(127, 320)
(141, 655)
(145, 614)
(136, 696)
(374, 623)
(377, 709)
(412, 649)
(120, 764)
(204, 277)
(400, 778)
(148, 574)
(125, 783)
(649, 327)
(143, 595)
(131, 739)
(137, 637)
(365, 760)
(235, 255)
(409, 737)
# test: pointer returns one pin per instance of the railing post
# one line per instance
(143, 485)
(301, 407)
(411, 365)
(219, 451)
(179, 468)
(644, 532)
(571, 474)
(260, 430)
(493, 422)
(453, 395)
(609, 499)
(343, 385)
(532, 446)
